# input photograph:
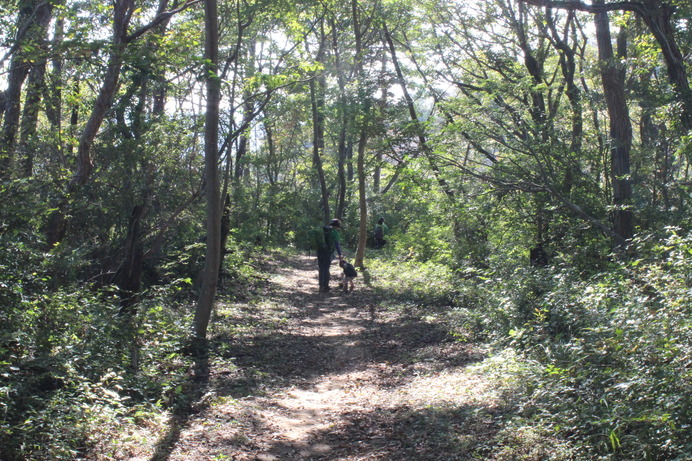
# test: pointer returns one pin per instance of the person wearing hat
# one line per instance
(329, 240)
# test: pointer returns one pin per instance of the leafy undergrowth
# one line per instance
(394, 377)
(418, 363)
(592, 366)
(78, 375)
(609, 353)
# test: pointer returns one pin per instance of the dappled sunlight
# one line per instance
(298, 375)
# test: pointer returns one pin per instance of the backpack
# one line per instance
(379, 232)
(350, 271)
(323, 238)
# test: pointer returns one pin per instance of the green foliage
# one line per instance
(603, 342)
(600, 358)
(611, 351)
(420, 224)
(413, 281)
(424, 241)
(67, 356)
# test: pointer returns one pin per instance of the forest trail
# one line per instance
(334, 376)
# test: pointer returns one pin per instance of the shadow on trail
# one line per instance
(275, 358)
(404, 433)
(186, 404)
(258, 353)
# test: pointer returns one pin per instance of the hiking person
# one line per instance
(379, 233)
(328, 240)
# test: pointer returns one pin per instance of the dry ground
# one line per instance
(304, 375)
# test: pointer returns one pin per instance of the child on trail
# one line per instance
(350, 273)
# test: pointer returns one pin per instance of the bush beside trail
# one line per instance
(579, 366)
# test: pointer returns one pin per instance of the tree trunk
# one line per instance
(344, 124)
(121, 18)
(32, 24)
(122, 14)
(568, 67)
(317, 88)
(54, 96)
(613, 79)
(225, 229)
(248, 114)
(129, 276)
(535, 66)
(382, 104)
(35, 89)
(210, 273)
(364, 117)
(657, 15)
(422, 140)
(362, 197)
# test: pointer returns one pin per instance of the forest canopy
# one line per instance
(538, 150)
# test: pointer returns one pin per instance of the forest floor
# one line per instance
(302, 375)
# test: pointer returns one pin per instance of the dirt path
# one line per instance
(305, 375)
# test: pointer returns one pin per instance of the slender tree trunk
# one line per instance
(129, 275)
(210, 273)
(19, 69)
(35, 89)
(32, 23)
(122, 13)
(317, 88)
(225, 228)
(248, 109)
(344, 124)
(54, 95)
(535, 66)
(568, 67)
(341, 169)
(422, 140)
(613, 79)
(85, 163)
(364, 117)
(382, 104)
(362, 192)
(657, 14)
(160, 85)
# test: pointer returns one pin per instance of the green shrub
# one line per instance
(430, 282)
(614, 351)
(80, 360)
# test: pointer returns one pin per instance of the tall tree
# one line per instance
(513, 116)
(317, 102)
(419, 130)
(363, 125)
(343, 122)
(145, 84)
(29, 54)
(210, 273)
(658, 16)
(613, 77)
(121, 38)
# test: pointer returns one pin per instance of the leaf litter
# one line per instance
(303, 375)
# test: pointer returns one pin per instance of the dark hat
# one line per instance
(335, 223)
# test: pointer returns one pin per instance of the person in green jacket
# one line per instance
(329, 240)
(379, 233)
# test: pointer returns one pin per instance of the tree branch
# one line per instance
(159, 19)
(635, 7)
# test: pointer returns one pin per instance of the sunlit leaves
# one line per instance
(612, 348)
